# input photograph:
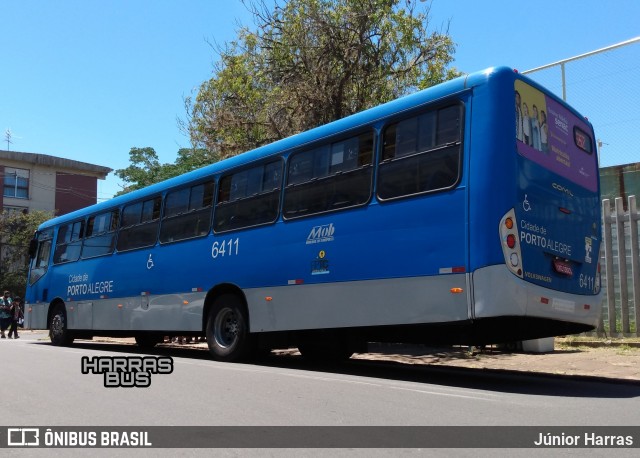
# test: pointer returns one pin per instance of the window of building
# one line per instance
(329, 177)
(421, 154)
(187, 213)
(139, 226)
(16, 183)
(249, 197)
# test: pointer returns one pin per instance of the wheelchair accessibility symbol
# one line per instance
(526, 206)
(150, 263)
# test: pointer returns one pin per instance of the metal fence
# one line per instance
(602, 85)
(621, 276)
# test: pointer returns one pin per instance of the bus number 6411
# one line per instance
(587, 282)
(225, 248)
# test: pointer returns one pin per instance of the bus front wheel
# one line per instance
(58, 332)
(228, 330)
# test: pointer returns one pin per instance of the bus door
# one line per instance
(40, 254)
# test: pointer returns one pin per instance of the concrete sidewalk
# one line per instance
(592, 359)
(601, 361)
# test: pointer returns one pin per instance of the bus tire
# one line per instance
(228, 330)
(59, 335)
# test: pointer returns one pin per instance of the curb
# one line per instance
(599, 344)
(512, 373)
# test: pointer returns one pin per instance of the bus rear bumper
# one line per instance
(498, 293)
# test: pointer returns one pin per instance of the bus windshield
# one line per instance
(552, 136)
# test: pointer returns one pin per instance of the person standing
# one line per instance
(5, 313)
(16, 315)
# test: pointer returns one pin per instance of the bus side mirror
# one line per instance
(33, 248)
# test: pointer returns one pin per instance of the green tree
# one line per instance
(145, 167)
(16, 231)
(310, 62)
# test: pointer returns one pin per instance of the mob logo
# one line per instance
(321, 234)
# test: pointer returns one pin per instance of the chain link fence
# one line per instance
(602, 86)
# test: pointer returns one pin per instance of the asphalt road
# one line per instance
(51, 390)
(47, 389)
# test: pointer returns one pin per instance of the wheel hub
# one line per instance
(226, 328)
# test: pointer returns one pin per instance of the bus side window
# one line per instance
(427, 135)
(69, 242)
(249, 197)
(187, 213)
(341, 177)
(140, 222)
(100, 237)
(272, 178)
(300, 168)
(448, 125)
(429, 161)
(406, 137)
(177, 202)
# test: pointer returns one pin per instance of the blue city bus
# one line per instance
(444, 216)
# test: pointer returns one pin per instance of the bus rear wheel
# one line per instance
(228, 330)
(58, 332)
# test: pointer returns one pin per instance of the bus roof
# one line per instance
(288, 144)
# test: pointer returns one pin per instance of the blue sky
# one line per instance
(88, 80)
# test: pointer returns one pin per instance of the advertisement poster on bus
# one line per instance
(550, 135)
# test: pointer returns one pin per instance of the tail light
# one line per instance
(510, 244)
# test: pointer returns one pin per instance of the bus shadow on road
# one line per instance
(497, 380)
